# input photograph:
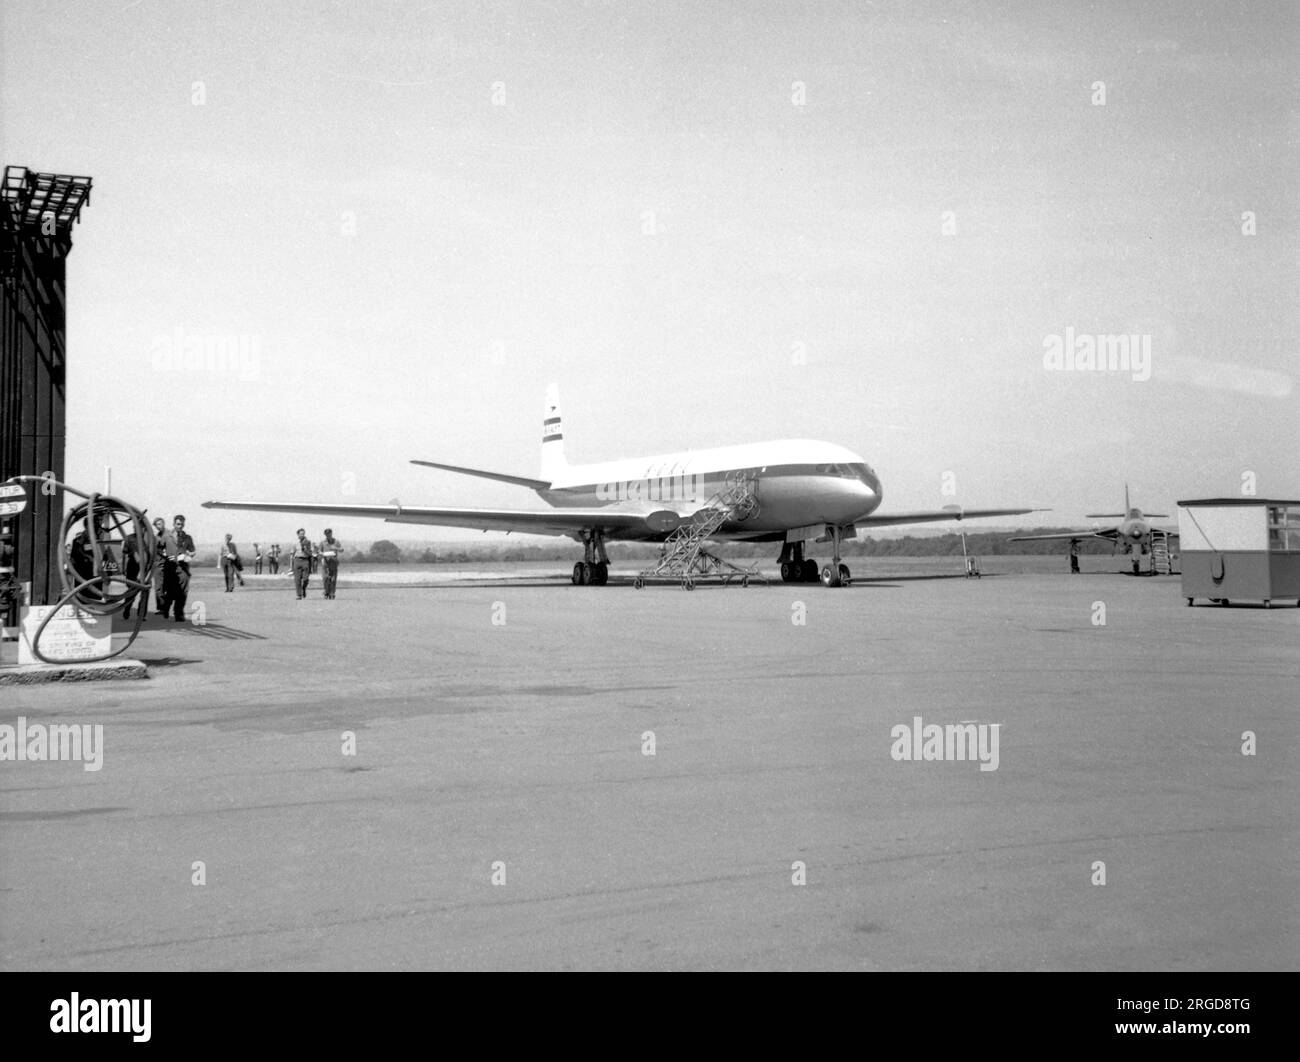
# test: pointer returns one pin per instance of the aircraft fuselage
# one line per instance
(797, 482)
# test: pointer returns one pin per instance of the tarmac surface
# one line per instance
(515, 749)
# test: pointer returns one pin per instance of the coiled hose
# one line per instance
(95, 559)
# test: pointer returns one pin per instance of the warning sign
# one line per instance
(73, 634)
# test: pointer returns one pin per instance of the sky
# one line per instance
(393, 224)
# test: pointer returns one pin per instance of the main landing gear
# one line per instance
(586, 573)
(795, 568)
(593, 569)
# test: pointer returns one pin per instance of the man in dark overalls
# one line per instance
(302, 558)
(178, 565)
(231, 564)
(165, 545)
(329, 555)
(131, 563)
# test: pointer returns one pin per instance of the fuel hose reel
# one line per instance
(108, 553)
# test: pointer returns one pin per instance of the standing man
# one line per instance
(165, 546)
(131, 562)
(179, 568)
(273, 559)
(329, 554)
(94, 584)
(1074, 556)
(302, 558)
(257, 559)
(231, 564)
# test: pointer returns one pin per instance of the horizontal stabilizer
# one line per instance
(519, 481)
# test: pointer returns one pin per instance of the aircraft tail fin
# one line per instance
(1113, 516)
(553, 463)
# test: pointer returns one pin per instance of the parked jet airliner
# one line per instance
(802, 489)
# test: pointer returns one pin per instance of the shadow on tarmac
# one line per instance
(165, 661)
(212, 630)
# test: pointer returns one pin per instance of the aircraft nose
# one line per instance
(867, 491)
(871, 482)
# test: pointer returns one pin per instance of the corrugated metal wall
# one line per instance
(32, 390)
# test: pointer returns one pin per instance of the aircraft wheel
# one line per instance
(1189, 602)
(809, 571)
(846, 578)
(599, 573)
(638, 583)
(830, 576)
(579, 575)
(688, 583)
(790, 572)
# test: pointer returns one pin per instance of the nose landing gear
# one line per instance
(839, 576)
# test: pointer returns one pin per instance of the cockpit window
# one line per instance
(856, 471)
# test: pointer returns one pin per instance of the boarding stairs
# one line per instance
(1161, 562)
(683, 556)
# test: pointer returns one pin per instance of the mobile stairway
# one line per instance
(1161, 562)
(683, 557)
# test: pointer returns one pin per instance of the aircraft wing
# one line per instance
(1108, 533)
(615, 524)
(930, 516)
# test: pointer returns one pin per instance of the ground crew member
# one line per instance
(178, 569)
(302, 557)
(164, 545)
(94, 584)
(273, 559)
(257, 559)
(131, 559)
(231, 565)
(1074, 556)
(329, 554)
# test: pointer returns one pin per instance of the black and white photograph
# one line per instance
(613, 486)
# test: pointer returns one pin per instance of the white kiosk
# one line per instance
(1240, 549)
